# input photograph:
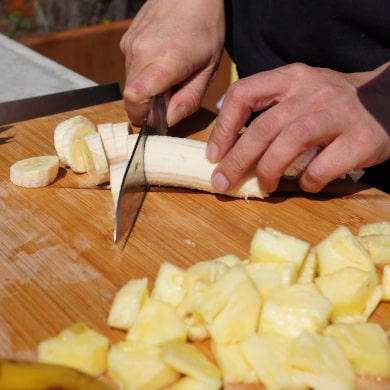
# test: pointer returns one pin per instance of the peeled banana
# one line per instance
(34, 172)
(25, 375)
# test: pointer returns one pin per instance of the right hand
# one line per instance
(172, 43)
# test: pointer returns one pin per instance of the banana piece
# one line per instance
(24, 375)
(34, 172)
(120, 133)
(62, 128)
(95, 159)
(117, 170)
(106, 133)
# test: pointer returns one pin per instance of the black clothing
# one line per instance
(343, 35)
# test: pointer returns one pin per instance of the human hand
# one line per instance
(347, 115)
(172, 44)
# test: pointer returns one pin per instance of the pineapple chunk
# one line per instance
(229, 260)
(207, 271)
(308, 271)
(349, 290)
(375, 228)
(269, 277)
(294, 309)
(156, 323)
(127, 303)
(365, 345)
(230, 307)
(170, 285)
(386, 283)
(319, 362)
(269, 355)
(139, 367)
(269, 245)
(187, 359)
(378, 246)
(341, 249)
(76, 346)
(234, 366)
(188, 383)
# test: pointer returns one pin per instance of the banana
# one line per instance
(25, 375)
(62, 128)
(106, 132)
(120, 133)
(34, 172)
(95, 159)
(117, 170)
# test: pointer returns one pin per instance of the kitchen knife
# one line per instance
(38, 106)
(134, 184)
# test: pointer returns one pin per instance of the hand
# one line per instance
(172, 44)
(348, 115)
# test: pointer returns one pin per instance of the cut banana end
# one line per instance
(95, 159)
(106, 133)
(62, 128)
(120, 133)
(34, 172)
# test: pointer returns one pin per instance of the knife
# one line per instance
(38, 106)
(134, 184)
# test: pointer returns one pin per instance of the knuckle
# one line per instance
(235, 163)
(301, 131)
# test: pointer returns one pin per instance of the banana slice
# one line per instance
(106, 132)
(95, 159)
(34, 172)
(64, 127)
(117, 171)
(120, 133)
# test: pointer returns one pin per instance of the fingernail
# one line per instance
(212, 151)
(177, 115)
(220, 183)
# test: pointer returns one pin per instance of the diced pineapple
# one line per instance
(375, 228)
(170, 285)
(319, 362)
(156, 323)
(127, 303)
(308, 271)
(139, 367)
(230, 307)
(269, 277)
(207, 271)
(188, 383)
(187, 359)
(292, 310)
(365, 345)
(348, 289)
(76, 346)
(269, 355)
(341, 249)
(229, 260)
(378, 246)
(386, 283)
(269, 245)
(234, 366)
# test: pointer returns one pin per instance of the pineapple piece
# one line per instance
(269, 245)
(188, 383)
(139, 367)
(156, 323)
(341, 249)
(386, 283)
(230, 307)
(76, 346)
(365, 345)
(378, 246)
(207, 271)
(319, 362)
(375, 228)
(188, 360)
(308, 271)
(269, 277)
(348, 289)
(229, 260)
(170, 284)
(127, 303)
(234, 366)
(269, 355)
(294, 309)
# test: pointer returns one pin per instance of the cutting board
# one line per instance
(58, 262)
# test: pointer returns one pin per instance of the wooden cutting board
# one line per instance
(58, 262)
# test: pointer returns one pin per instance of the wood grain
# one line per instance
(59, 264)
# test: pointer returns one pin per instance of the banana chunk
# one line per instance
(34, 172)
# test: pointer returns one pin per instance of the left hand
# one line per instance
(348, 115)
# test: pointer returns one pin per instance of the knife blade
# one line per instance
(38, 106)
(134, 184)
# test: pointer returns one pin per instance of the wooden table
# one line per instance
(58, 262)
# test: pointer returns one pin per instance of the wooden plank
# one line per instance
(59, 263)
